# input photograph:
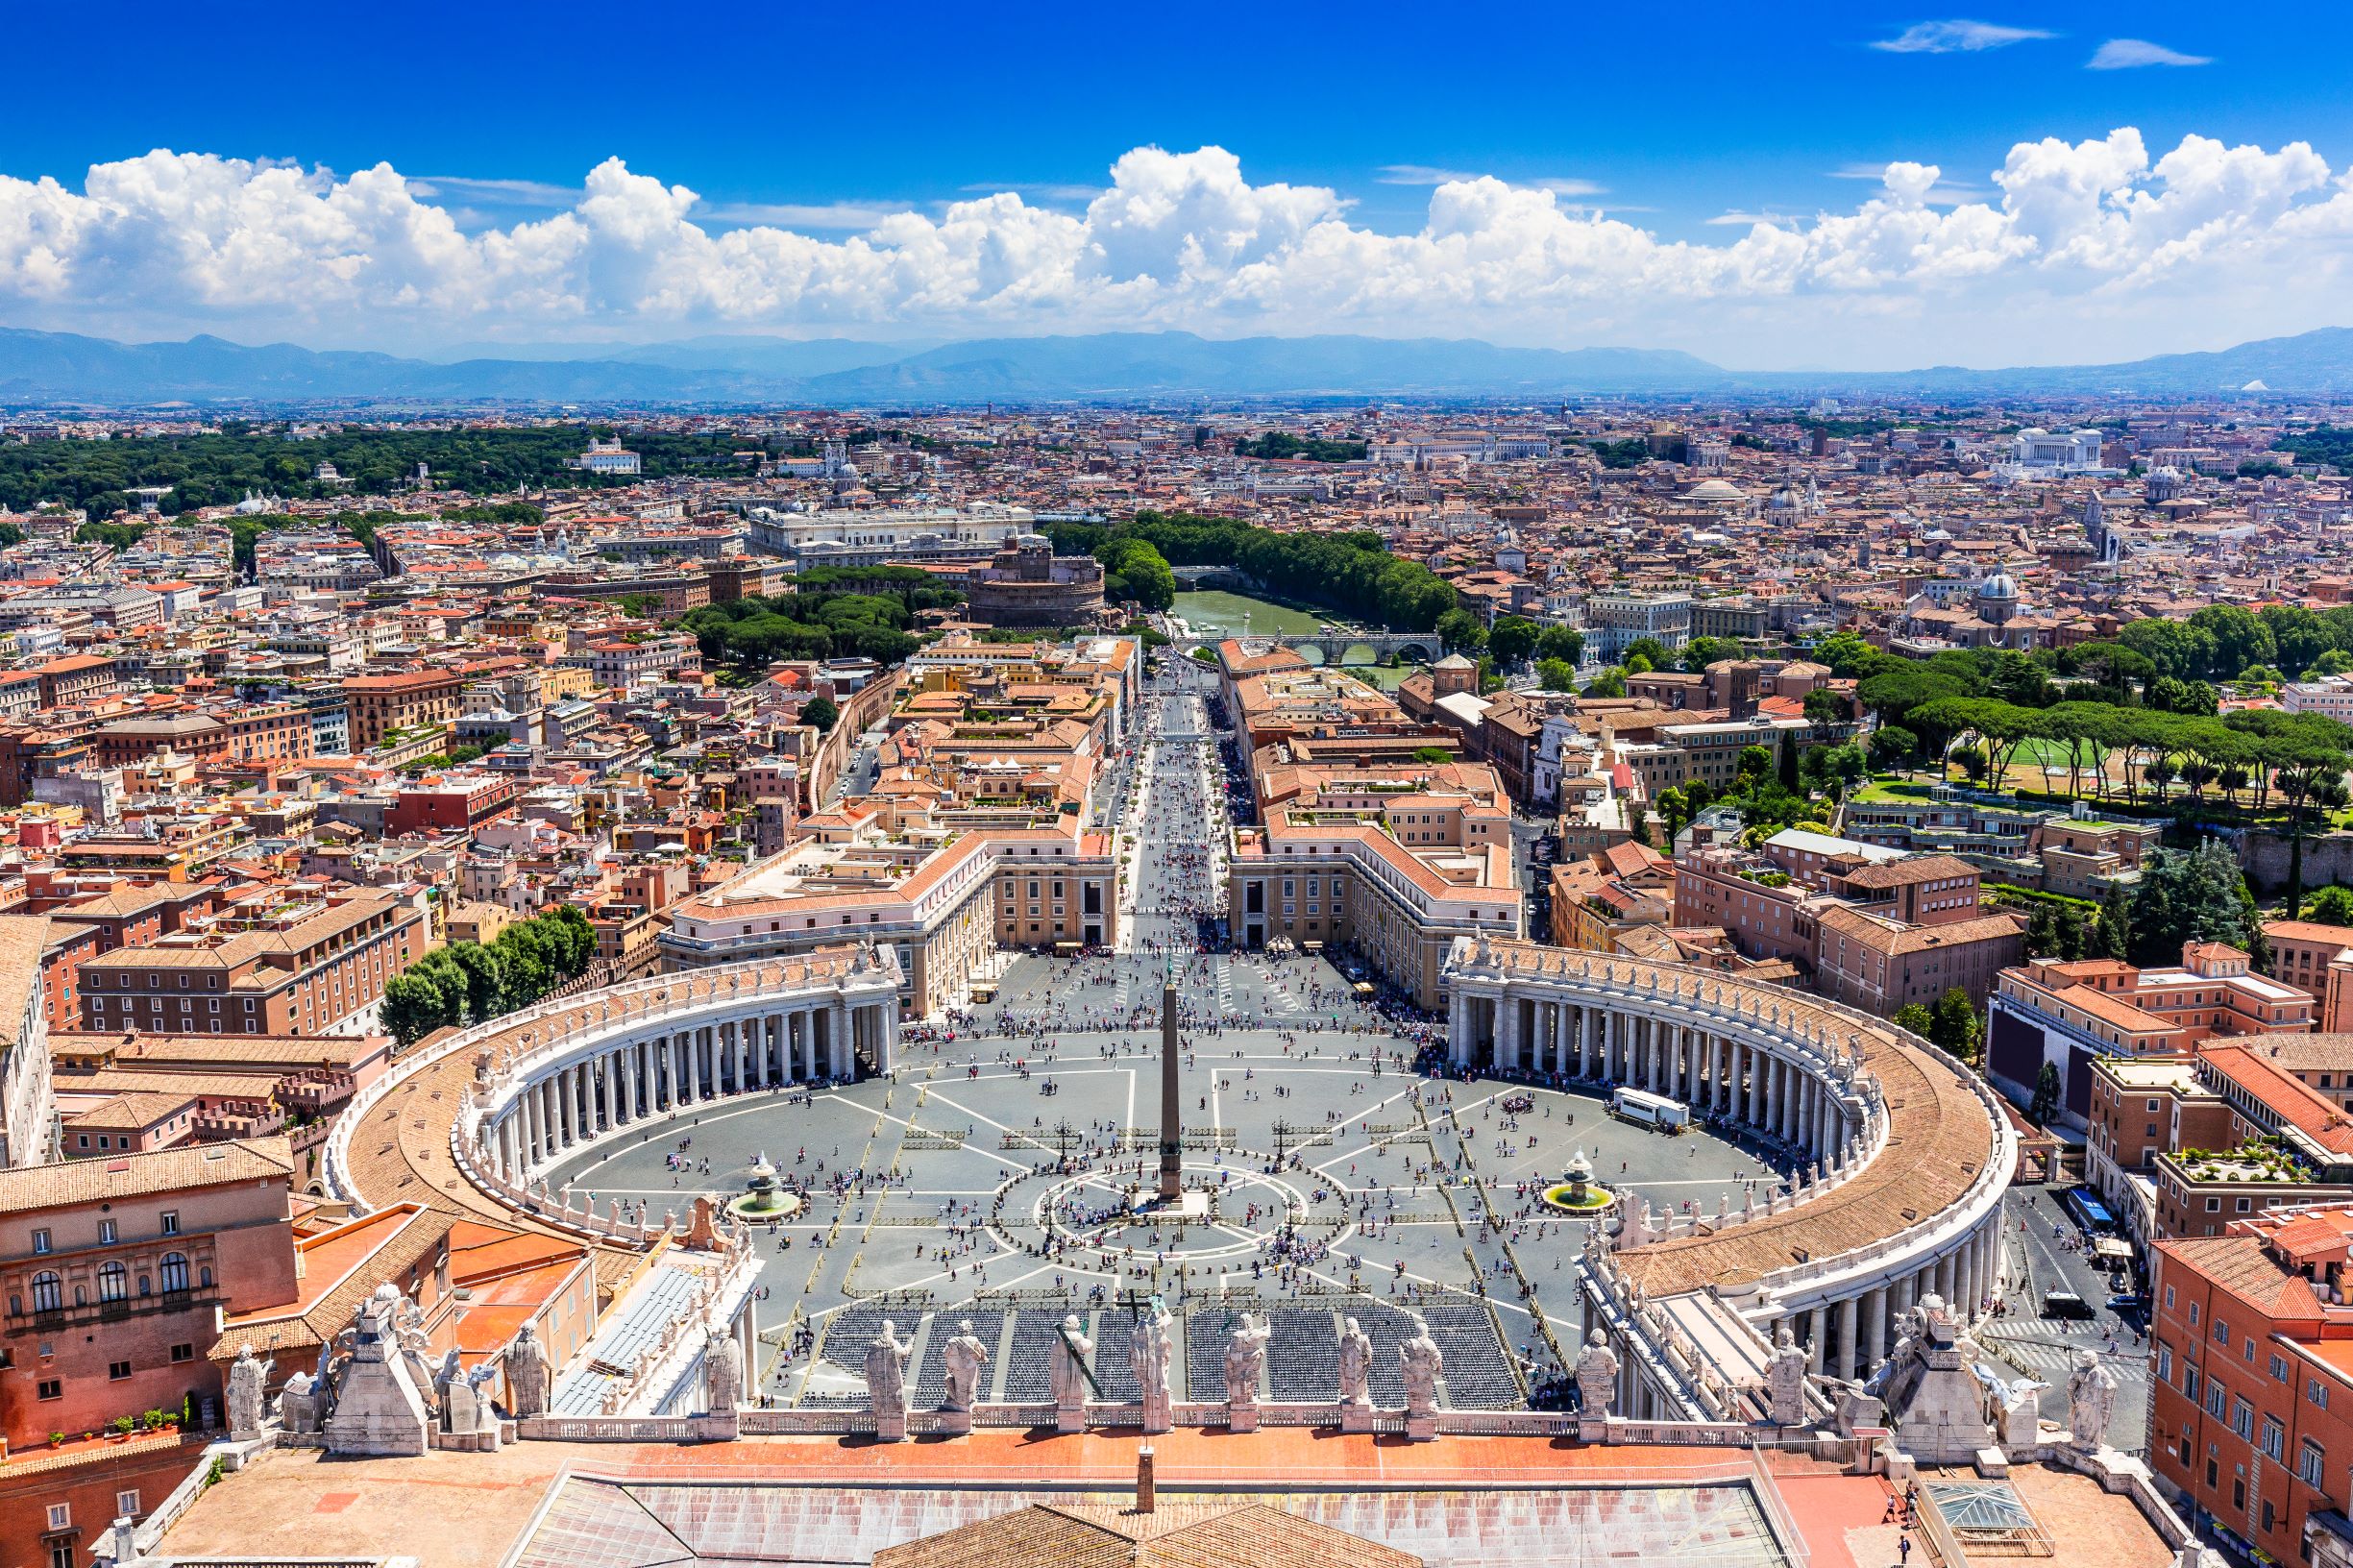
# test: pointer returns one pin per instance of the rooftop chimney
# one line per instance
(1143, 1478)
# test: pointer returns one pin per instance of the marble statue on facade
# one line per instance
(529, 1375)
(962, 1358)
(1355, 1366)
(886, 1382)
(1066, 1375)
(2090, 1400)
(1597, 1376)
(1421, 1363)
(723, 1371)
(249, 1379)
(1151, 1351)
(1246, 1363)
(1785, 1379)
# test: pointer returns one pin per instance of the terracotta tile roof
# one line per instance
(2242, 1267)
(132, 1175)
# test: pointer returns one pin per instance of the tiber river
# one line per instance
(1224, 613)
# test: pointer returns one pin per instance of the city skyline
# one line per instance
(1875, 190)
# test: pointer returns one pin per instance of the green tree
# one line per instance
(1754, 764)
(1433, 754)
(1891, 744)
(2306, 784)
(820, 712)
(1134, 573)
(2042, 932)
(2240, 639)
(1556, 674)
(1610, 682)
(1462, 633)
(485, 973)
(1563, 643)
(1915, 1017)
(2187, 895)
(2046, 1091)
(2074, 940)
(1824, 707)
(1955, 1026)
(2332, 905)
(1511, 640)
(413, 1007)
(1651, 649)
(2115, 928)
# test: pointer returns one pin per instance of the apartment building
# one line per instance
(1873, 928)
(1389, 864)
(2307, 954)
(114, 1272)
(2072, 1015)
(382, 704)
(946, 901)
(2251, 1387)
(310, 967)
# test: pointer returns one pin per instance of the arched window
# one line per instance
(47, 1294)
(113, 1281)
(204, 1276)
(174, 1272)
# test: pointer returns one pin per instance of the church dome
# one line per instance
(1715, 490)
(1997, 586)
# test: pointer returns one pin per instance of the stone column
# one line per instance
(1847, 1312)
(1874, 1326)
(1817, 1337)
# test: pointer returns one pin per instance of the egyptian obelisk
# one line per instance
(1171, 1114)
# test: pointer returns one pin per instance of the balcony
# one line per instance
(112, 1312)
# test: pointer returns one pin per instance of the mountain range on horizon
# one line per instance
(41, 368)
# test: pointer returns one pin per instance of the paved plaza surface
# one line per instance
(996, 1174)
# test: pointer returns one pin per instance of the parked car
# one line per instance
(2065, 1304)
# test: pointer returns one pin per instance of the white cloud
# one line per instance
(1424, 174)
(494, 192)
(1956, 36)
(2127, 54)
(825, 215)
(2071, 242)
(1037, 190)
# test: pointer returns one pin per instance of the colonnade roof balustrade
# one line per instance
(393, 1143)
(1943, 1138)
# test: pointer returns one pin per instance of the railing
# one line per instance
(1776, 1509)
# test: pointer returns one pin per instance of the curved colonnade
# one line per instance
(541, 1084)
(1912, 1150)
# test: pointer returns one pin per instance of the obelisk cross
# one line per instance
(1171, 1112)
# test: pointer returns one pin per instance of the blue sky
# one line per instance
(1685, 124)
